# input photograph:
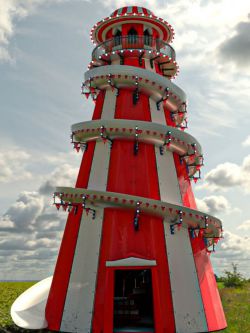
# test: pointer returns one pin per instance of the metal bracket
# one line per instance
(161, 149)
(65, 205)
(196, 178)
(85, 90)
(135, 96)
(140, 58)
(136, 217)
(167, 141)
(193, 153)
(163, 99)
(136, 144)
(178, 221)
(87, 209)
(192, 232)
(80, 145)
(104, 136)
(83, 146)
(110, 82)
(181, 126)
(205, 222)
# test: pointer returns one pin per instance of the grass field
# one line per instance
(236, 303)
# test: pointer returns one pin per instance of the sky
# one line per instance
(45, 50)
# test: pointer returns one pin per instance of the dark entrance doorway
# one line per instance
(133, 301)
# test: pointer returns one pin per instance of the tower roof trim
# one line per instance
(132, 14)
(131, 10)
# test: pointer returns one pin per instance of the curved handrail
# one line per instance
(135, 43)
(124, 75)
(172, 213)
(144, 131)
(162, 136)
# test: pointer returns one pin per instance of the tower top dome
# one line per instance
(131, 14)
(132, 9)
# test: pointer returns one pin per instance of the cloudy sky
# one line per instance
(44, 52)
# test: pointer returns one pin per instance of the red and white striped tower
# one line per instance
(135, 252)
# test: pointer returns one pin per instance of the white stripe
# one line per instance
(188, 307)
(109, 104)
(78, 309)
(157, 116)
(77, 314)
(100, 166)
(187, 301)
(168, 184)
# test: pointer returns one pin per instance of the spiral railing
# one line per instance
(134, 43)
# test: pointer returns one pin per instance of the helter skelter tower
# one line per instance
(135, 252)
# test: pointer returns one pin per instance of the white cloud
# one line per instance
(16, 164)
(233, 249)
(114, 4)
(246, 143)
(224, 175)
(13, 165)
(65, 175)
(23, 213)
(31, 229)
(235, 246)
(10, 12)
(245, 226)
(31, 208)
(214, 204)
(237, 48)
(228, 175)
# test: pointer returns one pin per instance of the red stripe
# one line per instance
(59, 286)
(168, 117)
(84, 171)
(208, 287)
(99, 105)
(129, 173)
(209, 291)
(133, 174)
(127, 110)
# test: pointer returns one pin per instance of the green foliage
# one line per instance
(9, 291)
(236, 304)
(233, 279)
(220, 285)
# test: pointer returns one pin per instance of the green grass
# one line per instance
(236, 303)
(220, 285)
(9, 291)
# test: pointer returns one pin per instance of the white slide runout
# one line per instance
(28, 310)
